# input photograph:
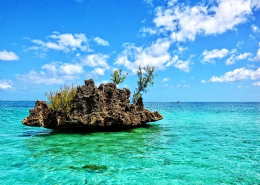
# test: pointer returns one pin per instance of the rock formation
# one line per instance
(102, 107)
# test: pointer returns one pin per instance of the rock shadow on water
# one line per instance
(83, 131)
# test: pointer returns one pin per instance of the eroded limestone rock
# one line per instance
(102, 107)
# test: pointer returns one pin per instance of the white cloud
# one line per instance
(188, 85)
(233, 59)
(156, 55)
(95, 60)
(172, 61)
(257, 57)
(165, 85)
(5, 84)
(63, 42)
(70, 69)
(251, 66)
(203, 81)
(41, 55)
(165, 19)
(98, 71)
(233, 51)
(53, 73)
(149, 31)
(171, 2)
(256, 84)
(238, 75)
(149, 2)
(240, 86)
(209, 56)
(239, 43)
(243, 56)
(179, 64)
(258, 54)
(100, 41)
(255, 28)
(180, 48)
(165, 79)
(183, 65)
(186, 22)
(8, 55)
(256, 4)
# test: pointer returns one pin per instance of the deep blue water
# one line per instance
(195, 143)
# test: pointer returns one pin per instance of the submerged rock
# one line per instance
(91, 167)
(94, 167)
(102, 107)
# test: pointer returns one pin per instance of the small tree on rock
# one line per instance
(146, 77)
(117, 78)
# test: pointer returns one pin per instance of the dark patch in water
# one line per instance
(33, 133)
(18, 165)
(91, 167)
(94, 167)
(73, 167)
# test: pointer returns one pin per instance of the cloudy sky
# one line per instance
(206, 50)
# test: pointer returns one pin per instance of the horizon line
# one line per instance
(159, 101)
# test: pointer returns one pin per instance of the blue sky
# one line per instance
(202, 51)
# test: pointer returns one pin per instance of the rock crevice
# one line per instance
(102, 107)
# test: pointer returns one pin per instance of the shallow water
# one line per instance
(195, 143)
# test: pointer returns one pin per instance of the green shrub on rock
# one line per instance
(61, 99)
(117, 78)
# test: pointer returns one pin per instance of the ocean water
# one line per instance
(195, 143)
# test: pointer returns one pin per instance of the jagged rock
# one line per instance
(102, 107)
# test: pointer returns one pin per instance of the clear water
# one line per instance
(195, 143)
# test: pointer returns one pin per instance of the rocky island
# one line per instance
(102, 107)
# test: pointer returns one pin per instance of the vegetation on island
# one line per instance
(117, 78)
(61, 99)
(145, 75)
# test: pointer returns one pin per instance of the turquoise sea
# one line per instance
(195, 143)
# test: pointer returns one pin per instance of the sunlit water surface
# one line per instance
(195, 143)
